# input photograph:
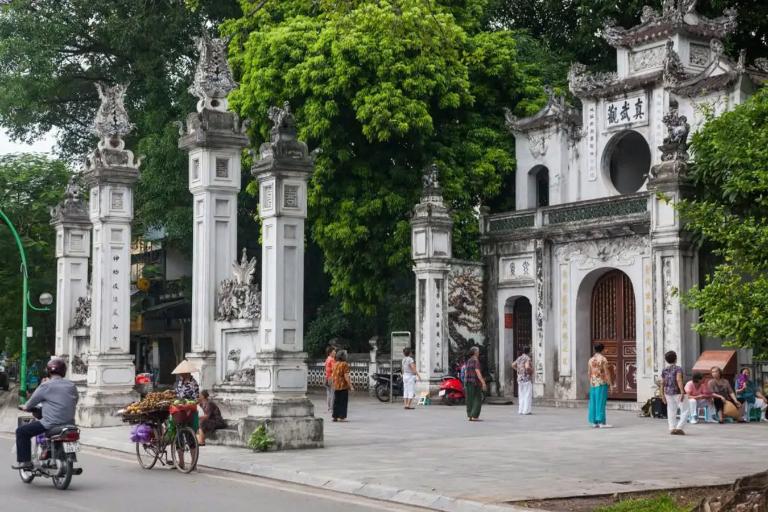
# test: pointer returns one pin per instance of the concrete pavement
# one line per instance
(433, 457)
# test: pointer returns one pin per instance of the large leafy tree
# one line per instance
(384, 88)
(52, 52)
(729, 214)
(29, 186)
(571, 28)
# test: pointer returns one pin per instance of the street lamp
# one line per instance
(26, 304)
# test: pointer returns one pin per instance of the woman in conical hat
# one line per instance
(186, 386)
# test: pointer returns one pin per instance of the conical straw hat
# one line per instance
(184, 367)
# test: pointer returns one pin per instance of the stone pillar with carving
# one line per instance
(674, 256)
(110, 174)
(214, 139)
(431, 228)
(283, 168)
(73, 250)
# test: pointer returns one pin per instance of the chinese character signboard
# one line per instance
(624, 112)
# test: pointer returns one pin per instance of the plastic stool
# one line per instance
(424, 400)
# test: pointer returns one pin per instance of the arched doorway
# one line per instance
(518, 327)
(612, 323)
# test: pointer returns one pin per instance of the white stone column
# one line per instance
(214, 141)
(110, 174)
(73, 249)
(675, 259)
(431, 237)
(283, 169)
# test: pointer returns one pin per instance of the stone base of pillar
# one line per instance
(98, 408)
(430, 386)
(205, 362)
(109, 388)
(233, 400)
(289, 433)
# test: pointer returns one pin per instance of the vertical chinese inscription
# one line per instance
(291, 199)
(115, 302)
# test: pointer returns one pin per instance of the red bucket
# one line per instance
(183, 414)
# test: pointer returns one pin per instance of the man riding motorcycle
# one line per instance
(58, 398)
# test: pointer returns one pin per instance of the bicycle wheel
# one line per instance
(148, 453)
(185, 450)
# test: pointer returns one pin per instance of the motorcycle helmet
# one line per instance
(56, 366)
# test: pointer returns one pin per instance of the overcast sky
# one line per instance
(7, 146)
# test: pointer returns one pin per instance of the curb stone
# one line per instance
(364, 490)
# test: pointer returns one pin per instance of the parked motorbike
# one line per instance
(451, 391)
(54, 455)
(383, 384)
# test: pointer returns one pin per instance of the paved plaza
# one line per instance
(433, 454)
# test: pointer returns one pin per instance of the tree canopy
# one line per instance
(730, 213)
(384, 88)
(571, 28)
(29, 186)
(53, 51)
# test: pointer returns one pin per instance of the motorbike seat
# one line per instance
(55, 431)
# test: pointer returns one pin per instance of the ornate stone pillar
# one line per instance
(431, 226)
(73, 243)
(214, 141)
(675, 259)
(110, 173)
(283, 169)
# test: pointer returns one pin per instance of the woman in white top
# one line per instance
(409, 379)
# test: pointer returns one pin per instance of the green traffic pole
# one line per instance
(25, 304)
(24, 301)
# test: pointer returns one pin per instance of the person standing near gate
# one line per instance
(330, 360)
(674, 394)
(600, 379)
(474, 385)
(524, 369)
(410, 374)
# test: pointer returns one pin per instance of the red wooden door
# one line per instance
(613, 325)
(522, 325)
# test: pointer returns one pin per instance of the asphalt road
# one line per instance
(114, 482)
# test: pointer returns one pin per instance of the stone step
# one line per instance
(613, 405)
(224, 437)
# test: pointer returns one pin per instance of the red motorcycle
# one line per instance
(451, 391)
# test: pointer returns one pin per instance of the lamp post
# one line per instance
(46, 299)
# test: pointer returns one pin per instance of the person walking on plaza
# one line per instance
(474, 385)
(410, 375)
(600, 378)
(342, 385)
(674, 394)
(330, 360)
(524, 369)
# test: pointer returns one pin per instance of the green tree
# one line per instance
(52, 52)
(29, 186)
(571, 28)
(384, 88)
(729, 212)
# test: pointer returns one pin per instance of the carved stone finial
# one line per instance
(429, 178)
(675, 146)
(580, 81)
(283, 136)
(213, 78)
(762, 64)
(668, 7)
(648, 14)
(112, 119)
(82, 317)
(72, 207)
(674, 72)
